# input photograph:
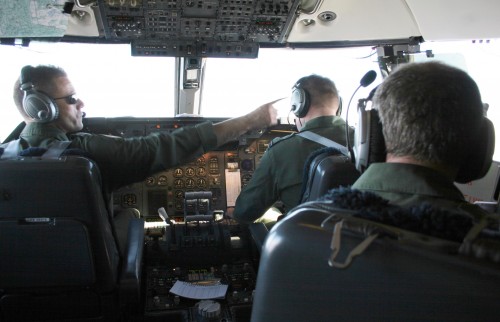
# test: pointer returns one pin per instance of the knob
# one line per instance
(209, 309)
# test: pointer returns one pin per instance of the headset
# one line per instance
(37, 105)
(369, 144)
(478, 161)
(301, 101)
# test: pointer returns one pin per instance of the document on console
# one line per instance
(199, 292)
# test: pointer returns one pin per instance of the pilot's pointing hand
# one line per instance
(266, 115)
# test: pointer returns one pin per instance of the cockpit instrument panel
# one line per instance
(221, 173)
(185, 28)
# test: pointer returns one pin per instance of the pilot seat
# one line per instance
(322, 263)
(59, 258)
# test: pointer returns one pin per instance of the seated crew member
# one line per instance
(279, 174)
(430, 115)
(121, 161)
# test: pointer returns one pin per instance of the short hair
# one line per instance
(320, 89)
(430, 111)
(43, 79)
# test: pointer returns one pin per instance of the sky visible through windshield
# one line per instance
(113, 83)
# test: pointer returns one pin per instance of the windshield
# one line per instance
(112, 83)
(107, 78)
(235, 86)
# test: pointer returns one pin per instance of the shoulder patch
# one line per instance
(280, 139)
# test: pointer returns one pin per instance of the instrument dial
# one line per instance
(190, 172)
(162, 180)
(178, 172)
(150, 181)
(178, 183)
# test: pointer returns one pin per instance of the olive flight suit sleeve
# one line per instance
(124, 161)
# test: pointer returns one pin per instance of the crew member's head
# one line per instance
(430, 114)
(314, 96)
(45, 94)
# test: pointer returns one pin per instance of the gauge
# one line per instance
(150, 181)
(162, 180)
(201, 183)
(190, 183)
(247, 165)
(179, 194)
(178, 172)
(178, 183)
(189, 172)
(201, 172)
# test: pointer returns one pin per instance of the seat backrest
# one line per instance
(325, 169)
(327, 264)
(57, 248)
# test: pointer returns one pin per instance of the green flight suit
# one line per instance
(123, 161)
(279, 175)
(409, 185)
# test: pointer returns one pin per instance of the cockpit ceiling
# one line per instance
(368, 20)
(355, 20)
(456, 19)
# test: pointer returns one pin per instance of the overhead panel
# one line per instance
(201, 28)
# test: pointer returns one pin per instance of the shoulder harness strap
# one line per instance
(323, 141)
(55, 150)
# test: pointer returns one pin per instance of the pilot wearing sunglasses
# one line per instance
(46, 98)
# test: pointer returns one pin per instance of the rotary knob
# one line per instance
(209, 309)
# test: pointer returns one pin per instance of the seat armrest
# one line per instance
(259, 232)
(130, 281)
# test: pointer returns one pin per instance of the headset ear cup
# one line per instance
(339, 110)
(369, 140)
(377, 151)
(39, 106)
(479, 160)
(300, 102)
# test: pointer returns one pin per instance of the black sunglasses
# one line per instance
(70, 99)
